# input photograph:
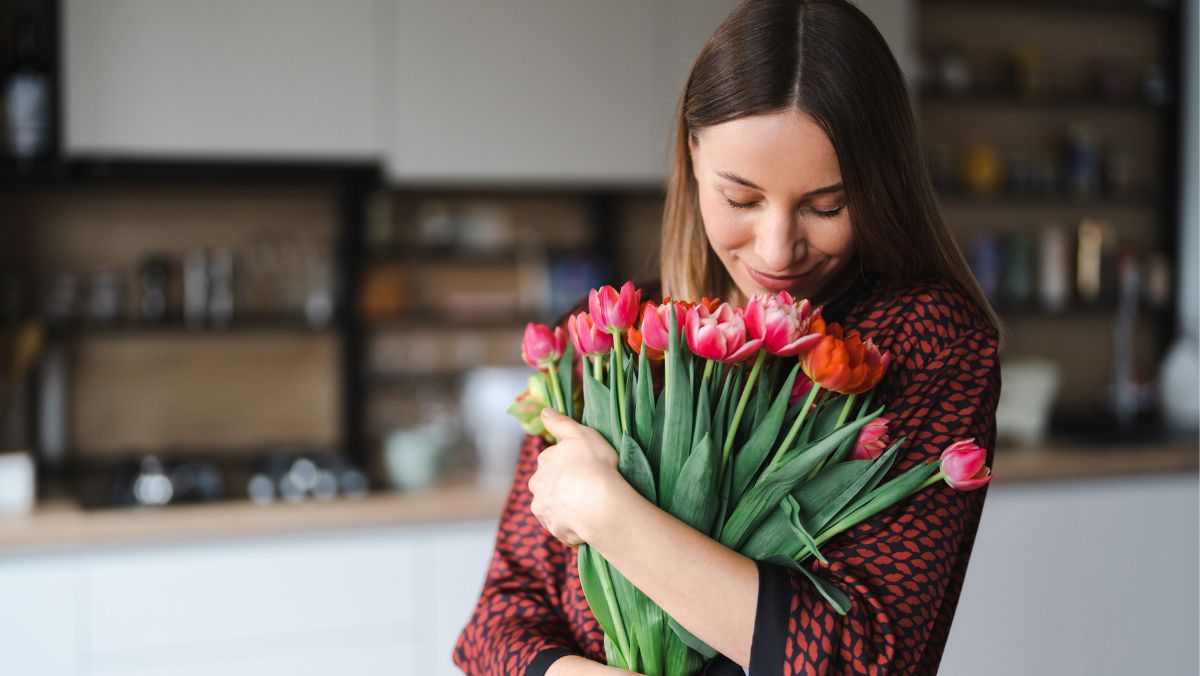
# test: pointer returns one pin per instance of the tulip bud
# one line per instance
(615, 312)
(719, 335)
(963, 465)
(872, 440)
(784, 325)
(589, 339)
(541, 347)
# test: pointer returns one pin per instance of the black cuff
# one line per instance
(544, 659)
(771, 619)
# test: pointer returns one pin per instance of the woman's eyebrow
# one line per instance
(837, 187)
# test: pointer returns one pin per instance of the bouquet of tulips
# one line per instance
(713, 423)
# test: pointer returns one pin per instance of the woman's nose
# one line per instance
(778, 243)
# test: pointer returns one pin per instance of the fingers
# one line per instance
(561, 426)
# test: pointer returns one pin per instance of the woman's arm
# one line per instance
(516, 628)
(579, 495)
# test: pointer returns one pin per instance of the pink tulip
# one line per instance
(541, 347)
(784, 325)
(655, 324)
(615, 312)
(963, 465)
(719, 335)
(589, 339)
(872, 440)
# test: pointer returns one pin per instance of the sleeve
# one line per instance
(517, 626)
(902, 569)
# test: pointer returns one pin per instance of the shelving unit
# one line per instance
(1070, 46)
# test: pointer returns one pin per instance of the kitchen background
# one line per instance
(265, 264)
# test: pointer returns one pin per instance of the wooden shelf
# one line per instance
(1097, 5)
(263, 324)
(1051, 99)
(1142, 197)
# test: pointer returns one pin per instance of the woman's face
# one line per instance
(773, 204)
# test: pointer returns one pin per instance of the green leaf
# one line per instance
(762, 396)
(566, 378)
(689, 639)
(825, 508)
(643, 402)
(677, 427)
(886, 495)
(682, 660)
(837, 598)
(654, 450)
(695, 500)
(750, 458)
(636, 469)
(779, 532)
(631, 601)
(703, 417)
(596, 409)
(776, 482)
(589, 561)
(614, 410)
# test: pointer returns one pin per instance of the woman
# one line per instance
(797, 167)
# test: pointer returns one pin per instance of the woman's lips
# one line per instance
(773, 282)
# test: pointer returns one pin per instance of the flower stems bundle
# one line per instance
(752, 425)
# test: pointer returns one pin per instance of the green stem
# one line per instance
(791, 435)
(556, 391)
(619, 364)
(865, 512)
(737, 414)
(610, 597)
(841, 419)
(598, 368)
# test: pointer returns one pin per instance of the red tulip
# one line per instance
(963, 465)
(784, 325)
(589, 339)
(614, 312)
(719, 335)
(847, 365)
(872, 440)
(541, 347)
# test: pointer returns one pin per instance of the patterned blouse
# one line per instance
(902, 569)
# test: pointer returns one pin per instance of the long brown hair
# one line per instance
(824, 58)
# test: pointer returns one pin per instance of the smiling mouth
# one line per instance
(774, 281)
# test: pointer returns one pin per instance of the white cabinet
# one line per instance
(542, 91)
(38, 606)
(268, 79)
(1087, 577)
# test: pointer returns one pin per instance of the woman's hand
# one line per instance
(573, 479)
(572, 665)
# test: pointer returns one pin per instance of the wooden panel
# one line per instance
(151, 392)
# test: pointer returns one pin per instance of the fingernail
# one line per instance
(549, 413)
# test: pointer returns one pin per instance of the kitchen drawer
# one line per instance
(197, 596)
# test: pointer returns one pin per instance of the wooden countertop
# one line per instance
(63, 525)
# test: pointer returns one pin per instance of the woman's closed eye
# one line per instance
(831, 213)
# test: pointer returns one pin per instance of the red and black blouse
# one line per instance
(903, 569)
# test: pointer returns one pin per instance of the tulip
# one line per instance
(800, 389)
(541, 347)
(589, 339)
(847, 365)
(655, 330)
(719, 335)
(615, 312)
(784, 325)
(872, 440)
(963, 465)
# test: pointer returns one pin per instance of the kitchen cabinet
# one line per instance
(535, 91)
(368, 601)
(268, 79)
(40, 599)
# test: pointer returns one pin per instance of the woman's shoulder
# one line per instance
(930, 313)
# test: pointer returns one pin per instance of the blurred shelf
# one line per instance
(1153, 6)
(262, 324)
(1050, 99)
(1074, 313)
(1135, 198)
(398, 380)
(415, 321)
(1056, 461)
(446, 257)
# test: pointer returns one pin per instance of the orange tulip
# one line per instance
(844, 364)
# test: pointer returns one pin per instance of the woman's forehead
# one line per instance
(782, 152)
